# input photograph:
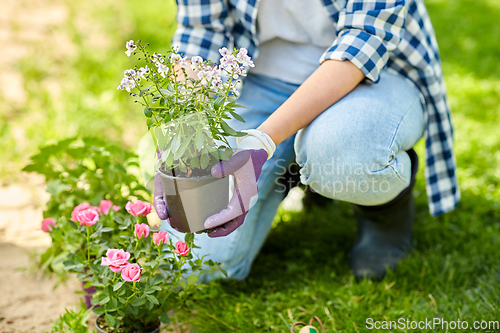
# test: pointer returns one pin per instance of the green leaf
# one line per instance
(144, 90)
(192, 279)
(56, 187)
(218, 102)
(105, 300)
(182, 166)
(204, 160)
(183, 146)
(236, 116)
(169, 160)
(107, 229)
(199, 139)
(176, 143)
(99, 311)
(148, 112)
(110, 320)
(139, 301)
(152, 299)
(164, 318)
(117, 285)
(228, 128)
(195, 162)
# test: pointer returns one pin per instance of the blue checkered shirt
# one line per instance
(373, 34)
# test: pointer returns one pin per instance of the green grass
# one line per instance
(302, 270)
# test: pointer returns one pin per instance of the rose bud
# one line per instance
(141, 230)
(139, 208)
(160, 237)
(115, 259)
(181, 248)
(116, 208)
(47, 224)
(131, 273)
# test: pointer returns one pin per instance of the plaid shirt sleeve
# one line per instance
(203, 28)
(366, 32)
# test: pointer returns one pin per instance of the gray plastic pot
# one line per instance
(191, 200)
(100, 330)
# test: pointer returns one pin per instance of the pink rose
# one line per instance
(78, 209)
(116, 208)
(139, 208)
(181, 248)
(160, 237)
(131, 273)
(105, 206)
(47, 224)
(88, 216)
(141, 230)
(115, 259)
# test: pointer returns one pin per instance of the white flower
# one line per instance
(156, 57)
(162, 69)
(243, 58)
(126, 84)
(241, 71)
(142, 72)
(130, 73)
(196, 63)
(130, 47)
(223, 51)
(216, 83)
(196, 60)
(229, 62)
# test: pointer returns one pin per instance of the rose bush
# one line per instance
(82, 174)
(142, 278)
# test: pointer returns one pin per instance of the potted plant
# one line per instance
(187, 104)
(142, 278)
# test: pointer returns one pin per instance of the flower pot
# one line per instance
(190, 201)
(100, 319)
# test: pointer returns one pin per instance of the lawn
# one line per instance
(302, 271)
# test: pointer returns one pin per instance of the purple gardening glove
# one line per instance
(158, 200)
(246, 167)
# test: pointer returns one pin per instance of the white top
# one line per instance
(293, 35)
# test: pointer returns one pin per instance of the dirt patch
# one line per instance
(29, 303)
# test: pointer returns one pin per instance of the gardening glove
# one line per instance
(245, 166)
(159, 201)
(158, 198)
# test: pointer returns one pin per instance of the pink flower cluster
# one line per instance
(117, 261)
(88, 215)
(105, 206)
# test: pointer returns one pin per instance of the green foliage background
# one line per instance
(303, 268)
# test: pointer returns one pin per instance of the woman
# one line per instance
(346, 88)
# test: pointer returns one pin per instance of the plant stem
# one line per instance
(88, 245)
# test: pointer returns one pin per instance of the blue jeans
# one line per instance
(354, 151)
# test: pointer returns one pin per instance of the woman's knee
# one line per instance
(348, 169)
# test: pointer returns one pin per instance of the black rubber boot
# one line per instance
(384, 232)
